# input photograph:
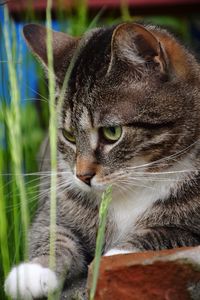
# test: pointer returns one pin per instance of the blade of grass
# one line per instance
(103, 211)
(125, 14)
(79, 23)
(96, 19)
(3, 224)
(15, 136)
(52, 134)
(16, 218)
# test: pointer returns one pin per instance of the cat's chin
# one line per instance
(98, 188)
(83, 186)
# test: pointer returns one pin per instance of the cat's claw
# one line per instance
(28, 281)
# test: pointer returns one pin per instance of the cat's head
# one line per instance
(132, 103)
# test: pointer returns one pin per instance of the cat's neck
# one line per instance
(130, 205)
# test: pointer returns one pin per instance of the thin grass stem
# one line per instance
(103, 212)
(52, 137)
(3, 226)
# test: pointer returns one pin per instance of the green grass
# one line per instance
(12, 122)
(21, 134)
(103, 211)
(52, 134)
(3, 225)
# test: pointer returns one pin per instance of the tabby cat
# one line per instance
(130, 118)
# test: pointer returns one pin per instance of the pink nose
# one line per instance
(86, 178)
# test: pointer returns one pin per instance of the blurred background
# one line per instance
(74, 17)
(182, 17)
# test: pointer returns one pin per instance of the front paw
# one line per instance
(28, 281)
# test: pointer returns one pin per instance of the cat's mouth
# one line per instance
(92, 185)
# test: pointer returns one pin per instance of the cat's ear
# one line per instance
(135, 44)
(63, 47)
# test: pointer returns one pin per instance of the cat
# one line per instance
(130, 118)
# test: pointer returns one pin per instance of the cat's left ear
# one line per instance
(63, 47)
(135, 44)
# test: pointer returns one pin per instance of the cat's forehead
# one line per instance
(81, 119)
(85, 118)
(121, 106)
(105, 103)
(106, 106)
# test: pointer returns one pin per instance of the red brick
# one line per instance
(159, 275)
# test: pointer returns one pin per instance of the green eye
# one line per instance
(69, 135)
(112, 134)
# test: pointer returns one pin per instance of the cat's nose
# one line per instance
(86, 178)
(86, 169)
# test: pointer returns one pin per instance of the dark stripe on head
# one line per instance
(93, 60)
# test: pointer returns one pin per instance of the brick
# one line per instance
(160, 275)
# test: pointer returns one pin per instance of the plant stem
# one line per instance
(52, 134)
(3, 224)
(103, 211)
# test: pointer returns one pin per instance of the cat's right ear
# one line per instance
(63, 47)
(136, 45)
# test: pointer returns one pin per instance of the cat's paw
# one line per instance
(28, 281)
(115, 251)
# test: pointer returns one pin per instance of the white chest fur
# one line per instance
(127, 207)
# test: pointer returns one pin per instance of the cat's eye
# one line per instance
(112, 134)
(69, 135)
